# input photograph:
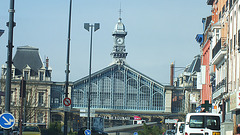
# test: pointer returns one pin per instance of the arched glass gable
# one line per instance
(119, 87)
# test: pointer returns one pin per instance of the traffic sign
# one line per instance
(67, 101)
(135, 133)
(67, 108)
(87, 132)
(7, 120)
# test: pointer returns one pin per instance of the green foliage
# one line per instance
(73, 133)
(55, 128)
(151, 130)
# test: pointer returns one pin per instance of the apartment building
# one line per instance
(27, 64)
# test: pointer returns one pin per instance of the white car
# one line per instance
(180, 128)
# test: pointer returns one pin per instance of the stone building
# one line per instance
(27, 64)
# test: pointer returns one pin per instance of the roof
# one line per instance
(208, 22)
(195, 65)
(119, 28)
(27, 56)
(113, 66)
(210, 2)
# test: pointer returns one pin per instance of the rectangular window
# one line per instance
(40, 118)
(196, 122)
(40, 98)
(220, 15)
(217, 35)
(239, 37)
(41, 76)
(231, 45)
(234, 42)
(26, 75)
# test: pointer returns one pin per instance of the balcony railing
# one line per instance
(220, 44)
(221, 84)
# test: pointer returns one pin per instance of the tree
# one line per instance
(32, 107)
(151, 130)
(55, 129)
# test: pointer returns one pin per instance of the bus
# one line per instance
(202, 124)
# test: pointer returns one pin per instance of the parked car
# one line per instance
(15, 131)
(94, 131)
(31, 130)
(12, 131)
(169, 132)
(1, 131)
(179, 128)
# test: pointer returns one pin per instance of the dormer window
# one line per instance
(41, 76)
(26, 74)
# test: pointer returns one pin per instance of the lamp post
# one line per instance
(96, 26)
(10, 25)
(67, 68)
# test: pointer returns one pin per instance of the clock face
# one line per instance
(120, 41)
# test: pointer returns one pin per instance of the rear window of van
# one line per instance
(210, 122)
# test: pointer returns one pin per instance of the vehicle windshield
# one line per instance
(210, 122)
(31, 129)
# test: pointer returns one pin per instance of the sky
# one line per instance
(160, 32)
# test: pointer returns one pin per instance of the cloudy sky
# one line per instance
(159, 32)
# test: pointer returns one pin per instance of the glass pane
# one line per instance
(196, 122)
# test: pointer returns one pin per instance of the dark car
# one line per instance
(94, 131)
(1, 131)
(169, 132)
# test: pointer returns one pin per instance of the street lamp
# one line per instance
(1, 32)
(96, 26)
(10, 25)
(67, 67)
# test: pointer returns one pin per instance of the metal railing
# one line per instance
(220, 45)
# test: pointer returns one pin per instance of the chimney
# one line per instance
(171, 74)
(47, 63)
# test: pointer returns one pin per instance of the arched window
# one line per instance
(132, 94)
(144, 98)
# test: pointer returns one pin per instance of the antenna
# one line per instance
(120, 10)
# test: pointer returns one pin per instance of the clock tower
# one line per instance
(119, 52)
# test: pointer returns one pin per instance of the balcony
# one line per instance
(219, 51)
(220, 89)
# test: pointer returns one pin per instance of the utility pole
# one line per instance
(10, 25)
(67, 68)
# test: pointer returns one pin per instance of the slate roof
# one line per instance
(27, 55)
(208, 22)
(195, 65)
(210, 2)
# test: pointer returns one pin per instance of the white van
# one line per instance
(180, 128)
(202, 124)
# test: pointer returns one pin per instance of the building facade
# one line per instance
(187, 82)
(36, 101)
(118, 92)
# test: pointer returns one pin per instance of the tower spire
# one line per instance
(119, 53)
(120, 11)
